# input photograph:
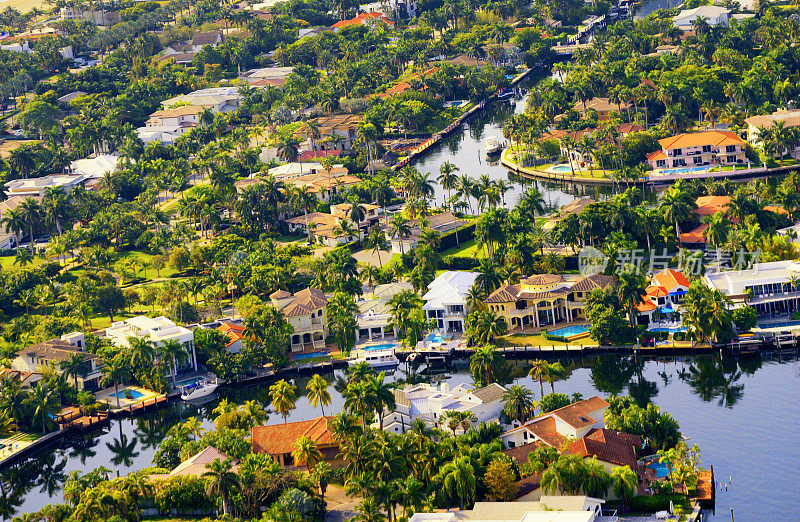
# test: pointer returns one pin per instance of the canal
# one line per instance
(742, 413)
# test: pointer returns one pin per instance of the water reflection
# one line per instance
(714, 382)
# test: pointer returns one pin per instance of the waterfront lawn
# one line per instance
(538, 340)
(466, 249)
(7, 263)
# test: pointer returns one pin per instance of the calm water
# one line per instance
(743, 414)
(464, 148)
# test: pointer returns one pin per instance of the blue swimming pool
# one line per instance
(128, 395)
(309, 355)
(434, 338)
(685, 170)
(660, 469)
(663, 329)
(560, 168)
(780, 324)
(569, 331)
(378, 347)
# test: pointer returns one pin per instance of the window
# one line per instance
(697, 160)
(730, 148)
(731, 159)
(706, 148)
(677, 152)
(661, 163)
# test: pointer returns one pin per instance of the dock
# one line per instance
(72, 417)
(706, 489)
(141, 406)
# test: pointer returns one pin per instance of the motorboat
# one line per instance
(492, 145)
(505, 94)
(378, 359)
(199, 390)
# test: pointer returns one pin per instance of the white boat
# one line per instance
(199, 390)
(378, 359)
(492, 145)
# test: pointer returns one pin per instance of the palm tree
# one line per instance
(305, 451)
(76, 366)
(221, 481)
(455, 419)
(596, 479)
(116, 371)
(284, 397)
(303, 199)
(448, 178)
(358, 399)
(458, 479)
(484, 327)
(518, 403)
(400, 227)
(376, 241)
(625, 482)
(14, 222)
(173, 351)
(44, 402)
(555, 372)
(631, 286)
(370, 274)
(31, 211)
(23, 258)
(381, 395)
(677, 206)
(317, 392)
(716, 232)
(540, 370)
(482, 364)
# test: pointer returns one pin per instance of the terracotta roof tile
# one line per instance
(278, 439)
(698, 139)
(610, 446)
(670, 279)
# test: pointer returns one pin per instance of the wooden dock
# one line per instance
(141, 406)
(706, 489)
(72, 417)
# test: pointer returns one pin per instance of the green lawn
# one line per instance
(7, 263)
(466, 249)
(538, 340)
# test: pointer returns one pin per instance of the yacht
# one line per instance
(199, 390)
(378, 359)
(505, 94)
(492, 145)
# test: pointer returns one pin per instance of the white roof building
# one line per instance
(714, 15)
(158, 330)
(289, 170)
(431, 403)
(38, 186)
(576, 508)
(95, 167)
(445, 299)
(218, 99)
(767, 287)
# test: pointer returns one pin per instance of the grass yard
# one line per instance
(7, 263)
(23, 6)
(538, 340)
(466, 249)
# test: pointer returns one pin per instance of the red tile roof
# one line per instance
(234, 332)
(670, 279)
(646, 306)
(657, 155)
(656, 291)
(520, 453)
(278, 439)
(698, 139)
(610, 446)
(361, 18)
(710, 205)
(695, 236)
(577, 414)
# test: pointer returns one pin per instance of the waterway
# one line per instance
(742, 414)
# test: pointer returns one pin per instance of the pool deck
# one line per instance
(148, 398)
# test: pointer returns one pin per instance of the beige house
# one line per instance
(57, 351)
(698, 149)
(603, 106)
(544, 299)
(766, 121)
(337, 132)
(325, 227)
(306, 311)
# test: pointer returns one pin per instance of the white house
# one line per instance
(767, 287)
(564, 508)
(665, 295)
(558, 426)
(373, 316)
(157, 330)
(95, 167)
(216, 99)
(427, 402)
(713, 14)
(56, 351)
(445, 300)
(306, 312)
(392, 9)
(167, 125)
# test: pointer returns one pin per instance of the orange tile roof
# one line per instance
(395, 89)
(671, 279)
(698, 139)
(610, 446)
(656, 291)
(646, 306)
(546, 430)
(710, 205)
(695, 236)
(777, 209)
(359, 20)
(657, 155)
(234, 332)
(278, 439)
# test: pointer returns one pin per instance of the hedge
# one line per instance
(652, 503)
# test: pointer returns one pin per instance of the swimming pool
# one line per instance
(685, 170)
(309, 355)
(569, 331)
(434, 338)
(128, 394)
(780, 324)
(560, 168)
(377, 347)
(663, 329)
(660, 469)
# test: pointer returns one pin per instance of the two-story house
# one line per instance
(559, 426)
(306, 311)
(664, 296)
(602, 106)
(445, 300)
(767, 287)
(545, 299)
(766, 121)
(336, 132)
(431, 404)
(698, 149)
(157, 330)
(167, 125)
(373, 312)
(54, 352)
(327, 228)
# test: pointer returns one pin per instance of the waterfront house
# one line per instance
(373, 316)
(52, 353)
(197, 465)
(546, 508)
(586, 157)
(713, 15)
(698, 149)
(664, 296)
(445, 300)
(559, 426)
(157, 330)
(306, 312)
(767, 287)
(393, 9)
(362, 19)
(766, 121)
(326, 227)
(431, 403)
(545, 299)
(443, 223)
(705, 206)
(277, 440)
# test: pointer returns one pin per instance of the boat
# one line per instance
(199, 390)
(378, 359)
(505, 94)
(492, 145)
